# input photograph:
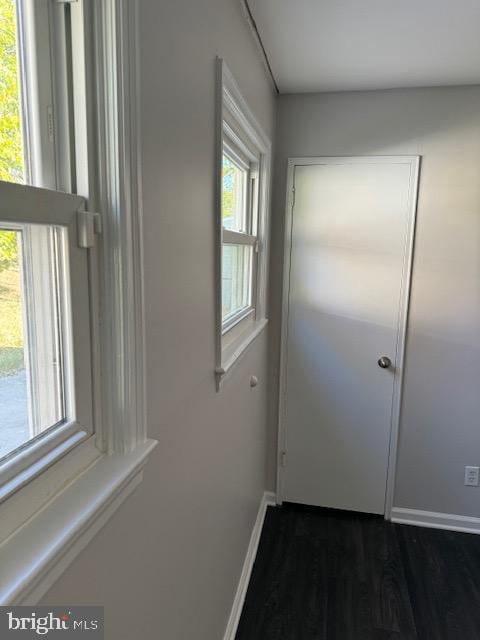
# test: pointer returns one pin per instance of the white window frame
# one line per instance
(249, 163)
(31, 205)
(240, 136)
(49, 516)
(47, 142)
(43, 94)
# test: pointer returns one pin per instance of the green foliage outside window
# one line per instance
(11, 153)
(8, 250)
(228, 191)
(11, 170)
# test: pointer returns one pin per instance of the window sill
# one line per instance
(234, 351)
(35, 556)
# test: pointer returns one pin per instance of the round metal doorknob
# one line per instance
(384, 362)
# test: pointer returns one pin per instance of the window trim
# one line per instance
(109, 464)
(116, 192)
(237, 128)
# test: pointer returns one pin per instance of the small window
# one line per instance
(238, 241)
(244, 161)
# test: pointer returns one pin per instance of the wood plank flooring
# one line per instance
(322, 574)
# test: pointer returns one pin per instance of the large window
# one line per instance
(72, 441)
(244, 164)
(45, 284)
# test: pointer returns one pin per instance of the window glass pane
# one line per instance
(236, 279)
(11, 153)
(234, 196)
(31, 363)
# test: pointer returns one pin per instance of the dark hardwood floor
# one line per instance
(322, 574)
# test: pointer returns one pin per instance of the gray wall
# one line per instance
(440, 431)
(167, 565)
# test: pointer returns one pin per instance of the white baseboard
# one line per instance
(268, 498)
(449, 521)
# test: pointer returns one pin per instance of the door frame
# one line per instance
(402, 322)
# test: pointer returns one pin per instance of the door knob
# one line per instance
(384, 362)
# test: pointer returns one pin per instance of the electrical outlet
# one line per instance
(471, 476)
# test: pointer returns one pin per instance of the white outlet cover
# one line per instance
(471, 476)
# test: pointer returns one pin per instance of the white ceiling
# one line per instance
(330, 45)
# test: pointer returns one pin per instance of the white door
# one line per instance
(351, 239)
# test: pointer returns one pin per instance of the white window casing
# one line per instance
(241, 139)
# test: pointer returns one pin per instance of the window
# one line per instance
(72, 441)
(45, 315)
(36, 358)
(238, 236)
(244, 176)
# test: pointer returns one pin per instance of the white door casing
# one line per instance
(348, 253)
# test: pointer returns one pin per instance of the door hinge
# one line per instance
(293, 197)
(258, 246)
(283, 458)
(88, 225)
